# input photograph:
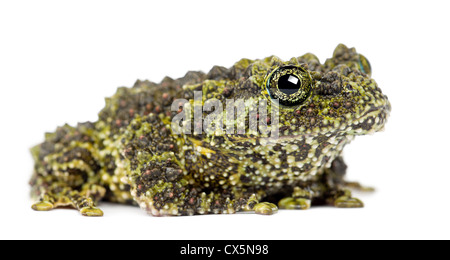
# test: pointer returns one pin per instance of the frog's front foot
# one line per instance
(343, 199)
(348, 202)
(91, 212)
(301, 199)
(294, 203)
(359, 187)
(265, 208)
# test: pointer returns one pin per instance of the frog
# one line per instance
(136, 153)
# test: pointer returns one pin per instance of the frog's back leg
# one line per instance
(66, 171)
(160, 182)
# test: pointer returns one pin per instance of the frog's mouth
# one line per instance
(373, 120)
(370, 121)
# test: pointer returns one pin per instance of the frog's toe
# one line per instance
(348, 202)
(265, 208)
(359, 187)
(91, 212)
(42, 206)
(294, 203)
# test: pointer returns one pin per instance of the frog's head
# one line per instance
(337, 97)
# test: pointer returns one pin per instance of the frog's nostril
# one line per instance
(388, 105)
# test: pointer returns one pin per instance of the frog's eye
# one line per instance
(364, 64)
(291, 85)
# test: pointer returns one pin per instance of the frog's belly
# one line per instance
(292, 171)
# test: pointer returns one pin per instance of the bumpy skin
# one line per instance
(131, 155)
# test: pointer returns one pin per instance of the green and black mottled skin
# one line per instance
(131, 155)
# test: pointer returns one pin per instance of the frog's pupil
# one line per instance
(289, 84)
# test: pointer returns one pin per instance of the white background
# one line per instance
(59, 59)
